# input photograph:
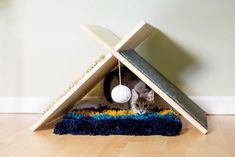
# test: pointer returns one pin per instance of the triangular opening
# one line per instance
(95, 115)
(95, 98)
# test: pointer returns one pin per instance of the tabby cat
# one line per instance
(142, 99)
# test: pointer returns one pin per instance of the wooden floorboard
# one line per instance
(17, 140)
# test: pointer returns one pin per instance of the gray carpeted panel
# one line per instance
(166, 86)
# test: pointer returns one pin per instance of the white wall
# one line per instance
(42, 47)
(10, 58)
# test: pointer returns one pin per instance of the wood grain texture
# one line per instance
(16, 140)
(78, 91)
(171, 94)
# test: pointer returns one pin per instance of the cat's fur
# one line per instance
(142, 100)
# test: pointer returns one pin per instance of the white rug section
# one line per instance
(210, 104)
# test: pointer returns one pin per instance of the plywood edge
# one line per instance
(137, 35)
(161, 93)
(82, 87)
(103, 35)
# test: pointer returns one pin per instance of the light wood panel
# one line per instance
(78, 91)
(113, 43)
(102, 35)
(137, 35)
(16, 140)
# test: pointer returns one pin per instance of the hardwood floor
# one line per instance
(16, 140)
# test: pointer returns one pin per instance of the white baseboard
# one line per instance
(23, 104)
(210, 104)
(216, 104)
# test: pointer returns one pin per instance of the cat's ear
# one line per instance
(150, 95)
(135, 95)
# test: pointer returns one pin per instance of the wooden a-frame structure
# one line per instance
(124, 50)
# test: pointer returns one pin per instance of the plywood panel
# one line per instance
(103, 35)
(135, 37)
(78, 91)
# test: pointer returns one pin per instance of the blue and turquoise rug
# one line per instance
(119, 122)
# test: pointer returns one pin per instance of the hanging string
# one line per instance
(119, 70)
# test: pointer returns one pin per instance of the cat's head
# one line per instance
(141, 102)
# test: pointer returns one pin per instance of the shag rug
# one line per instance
(119, 122)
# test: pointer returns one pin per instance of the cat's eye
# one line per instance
(137, 105)
(145, 106)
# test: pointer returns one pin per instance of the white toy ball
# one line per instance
(121, 94)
